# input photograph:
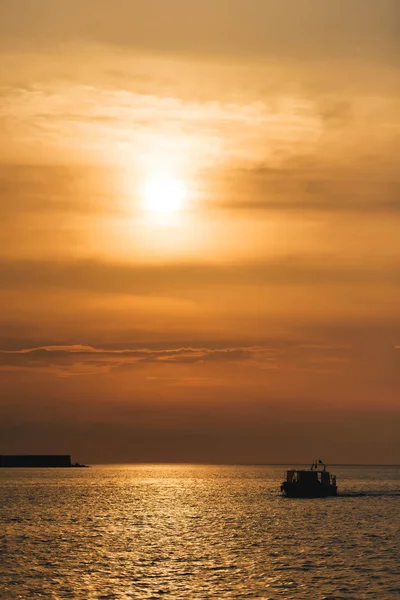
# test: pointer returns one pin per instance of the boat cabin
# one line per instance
(309, 483)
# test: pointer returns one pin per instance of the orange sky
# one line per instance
(199, 247)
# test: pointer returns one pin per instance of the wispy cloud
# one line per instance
(95, 119)
(144, 354)
(300, 185)
(76, 359)
(79, 359)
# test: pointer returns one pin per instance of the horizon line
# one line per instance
(244, 464)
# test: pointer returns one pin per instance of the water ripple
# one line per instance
(195, 532)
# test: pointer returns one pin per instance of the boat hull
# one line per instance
(295, 490)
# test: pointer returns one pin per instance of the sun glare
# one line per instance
(164, 194)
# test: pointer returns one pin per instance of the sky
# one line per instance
(199, 217)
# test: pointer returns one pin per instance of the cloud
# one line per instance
(107, 123)
(172, 279)
(144, 354)
(49, 189)
(309, 30)
(335, 205)
(79, 359)
(76, 359)
(368, 184)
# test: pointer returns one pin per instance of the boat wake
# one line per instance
(369, 494)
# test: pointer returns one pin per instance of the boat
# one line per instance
(315, 482)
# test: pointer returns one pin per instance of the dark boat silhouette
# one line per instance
(315, 482)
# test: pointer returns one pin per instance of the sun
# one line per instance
(164, 194)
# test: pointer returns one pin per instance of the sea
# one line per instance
(194, 531)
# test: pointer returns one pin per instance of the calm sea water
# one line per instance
(145, 531)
